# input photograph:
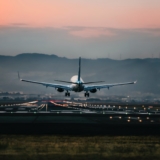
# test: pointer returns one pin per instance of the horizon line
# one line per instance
(77, 57)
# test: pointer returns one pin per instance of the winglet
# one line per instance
(19, 76)
(135, 82)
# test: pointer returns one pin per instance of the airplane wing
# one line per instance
(88, 88)
(65, 87)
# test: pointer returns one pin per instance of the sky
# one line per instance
(116, 29)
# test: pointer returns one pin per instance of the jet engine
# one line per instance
(93, 90)
(60, 89)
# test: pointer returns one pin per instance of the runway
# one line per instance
(56, 117)
(73, 112)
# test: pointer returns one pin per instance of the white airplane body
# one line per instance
(77, 84)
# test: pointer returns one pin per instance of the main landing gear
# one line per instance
(86, 94)
(67, 94)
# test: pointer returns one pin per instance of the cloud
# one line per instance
(19, 24)
(75, 41)
(152, 32)
(92, 33)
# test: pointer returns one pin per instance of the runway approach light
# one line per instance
(110, 117)
(128, 120)
(140, 120)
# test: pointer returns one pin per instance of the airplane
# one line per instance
(77, 84)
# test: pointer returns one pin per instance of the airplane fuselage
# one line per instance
(78, 87)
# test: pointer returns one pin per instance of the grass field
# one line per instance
(22, 147)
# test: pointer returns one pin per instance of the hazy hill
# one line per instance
(43, 67)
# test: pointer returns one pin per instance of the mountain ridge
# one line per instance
(43, 67)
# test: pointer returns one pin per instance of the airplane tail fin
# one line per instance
(79, 71)
(79, 77)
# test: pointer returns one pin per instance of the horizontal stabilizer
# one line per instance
(77, 83)
(93, 82)
(66, 81)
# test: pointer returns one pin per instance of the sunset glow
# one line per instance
(42, 13)
(71, 28)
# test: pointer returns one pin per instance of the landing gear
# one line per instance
(86, 94)
(67, 94)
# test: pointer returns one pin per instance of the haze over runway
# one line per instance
(91, 29)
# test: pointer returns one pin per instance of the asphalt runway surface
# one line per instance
(78, 119)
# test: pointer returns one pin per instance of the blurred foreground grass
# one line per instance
(19, 147)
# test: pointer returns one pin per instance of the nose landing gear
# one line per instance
(67, 94)
(86, 94)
